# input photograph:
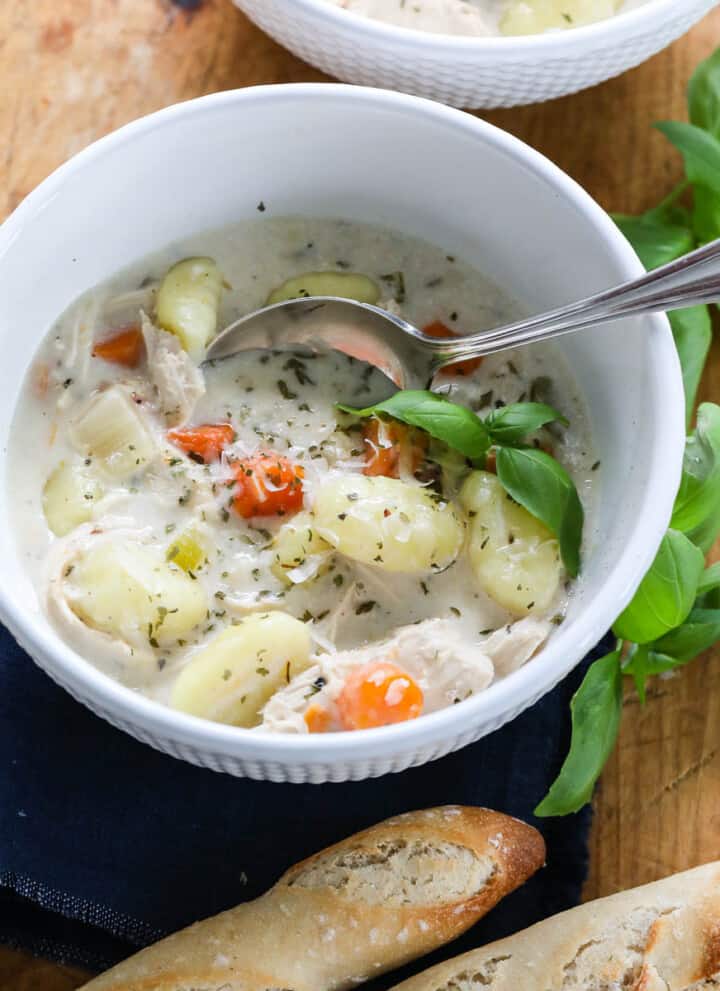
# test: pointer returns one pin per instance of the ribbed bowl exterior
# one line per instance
(463, 77)
(316, 772)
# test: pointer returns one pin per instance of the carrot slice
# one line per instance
(317, 718)
(126, 347)
(438, 329)
(203, 443)
(267, 484)
(378, 694)
(389, 443)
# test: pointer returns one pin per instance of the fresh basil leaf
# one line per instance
(545, 489)
(704, 95)
(511, 424)
(637, 666)
(708, 591)
(692, 331)
(705, 535)
(666, 594)
(656, 240)
(699, 631)
(643, 662)
(456, 425)
(698, 499)
(596, 709)
(700, 150)
(706, 214)
(709, 579)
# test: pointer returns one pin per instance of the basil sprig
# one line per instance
(697, 505)
(692, 330)
(534, 479)
(675, 613)
(666, 594)
(455, 425)
(512, 424)
(595, 709)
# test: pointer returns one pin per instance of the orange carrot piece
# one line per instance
(388, 443)
(267, 484)
(378, 694)
(317, 718)
(125, 347)
(438, 329)
(205, 442)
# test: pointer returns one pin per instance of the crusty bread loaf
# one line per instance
(370, 903)
(661, 937)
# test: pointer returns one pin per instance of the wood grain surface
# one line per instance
(72, 70)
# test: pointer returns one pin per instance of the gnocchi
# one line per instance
(396, 526)
(69, 497)
(299, 552)
(346, 285)
(231, 679)
(130, 592)
(110, 428)
(188, 301)
(515, 558)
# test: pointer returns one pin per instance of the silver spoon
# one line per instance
(411, 359)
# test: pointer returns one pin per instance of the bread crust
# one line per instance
(663, 936)
(363, 906)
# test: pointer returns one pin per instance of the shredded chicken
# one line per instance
(179, 383)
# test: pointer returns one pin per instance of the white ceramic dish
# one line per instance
(472, 72)
(408, 163)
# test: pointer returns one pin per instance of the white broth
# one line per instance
(478, 18)
(224, 540)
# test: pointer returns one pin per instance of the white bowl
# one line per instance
(472, 72)
(422, 168)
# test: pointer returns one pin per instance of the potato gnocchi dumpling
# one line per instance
(299, 552)
(232, 678)
(515, 558)
(111, 429)
(69, 497)
(188, 301)
(396, 526)
(346, 285)
(131, 592)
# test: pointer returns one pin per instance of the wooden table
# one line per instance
(72, 70)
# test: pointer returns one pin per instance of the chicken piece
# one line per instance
(179, 382)
(511, 646)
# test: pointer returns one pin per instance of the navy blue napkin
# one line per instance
(106, 845)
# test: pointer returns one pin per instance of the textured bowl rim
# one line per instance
(555, 43)
(501, 700)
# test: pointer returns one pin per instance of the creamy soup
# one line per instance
(488, 17)
(222, 538)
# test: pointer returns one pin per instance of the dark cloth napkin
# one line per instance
(106, 845)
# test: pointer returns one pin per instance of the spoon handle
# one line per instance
(687, 281)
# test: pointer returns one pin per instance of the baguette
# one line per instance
(359, 908)
(660, 937)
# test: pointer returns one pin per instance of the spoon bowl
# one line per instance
(319, 323)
